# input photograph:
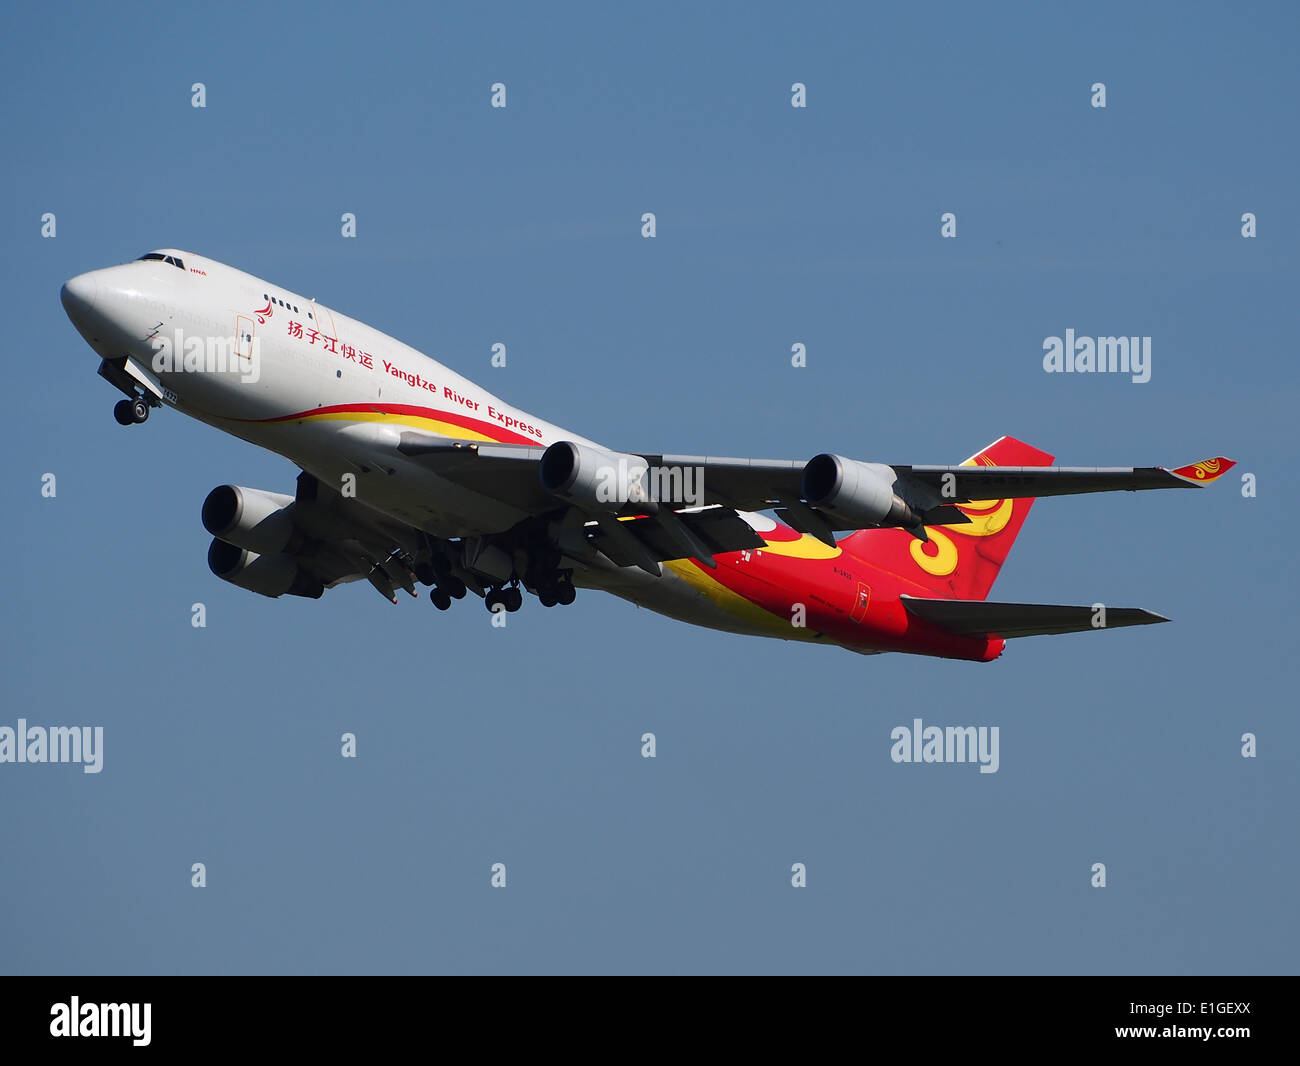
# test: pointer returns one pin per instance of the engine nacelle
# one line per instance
(857, 494)
(593, 478)
(255, 519)
(268, 575)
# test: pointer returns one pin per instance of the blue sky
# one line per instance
(775, 225)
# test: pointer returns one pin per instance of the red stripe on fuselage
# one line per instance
(488, 429)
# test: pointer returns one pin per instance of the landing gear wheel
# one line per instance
(513, 599)
(122, 412)
(491, 600)
(139, 410)
(439, 598)
(546, 597)
(455, 587)
(566, 593)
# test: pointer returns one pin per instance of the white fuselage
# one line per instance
(333, 395)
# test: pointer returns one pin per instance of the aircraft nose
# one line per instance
(78, 295)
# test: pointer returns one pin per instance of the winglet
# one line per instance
(1204, 472)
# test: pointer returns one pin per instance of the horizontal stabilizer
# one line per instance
(1008, 620)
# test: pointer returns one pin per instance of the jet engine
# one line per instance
(269, 575)
(255, 519)
(856, 495)
(593, 478)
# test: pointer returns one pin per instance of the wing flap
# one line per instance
(719, 529)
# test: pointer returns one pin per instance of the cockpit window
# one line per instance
(178, 263)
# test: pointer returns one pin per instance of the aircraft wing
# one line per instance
(1008, 620)
(832, 493)
(745, 484)
(817, 497)
(756, 484)
(505, 472)
(969, 483)
(509, 471)
(825, 494)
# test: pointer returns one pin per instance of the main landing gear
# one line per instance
(510, 598)
(558, 589)
(131, 412)
(551, 585)
(503, 597)
(448, 588)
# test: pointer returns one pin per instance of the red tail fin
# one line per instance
(961, 561)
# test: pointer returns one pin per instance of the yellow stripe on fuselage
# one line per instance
(735, 604)
(806, 547)
(443, 429)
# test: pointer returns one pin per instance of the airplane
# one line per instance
(413, 475)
